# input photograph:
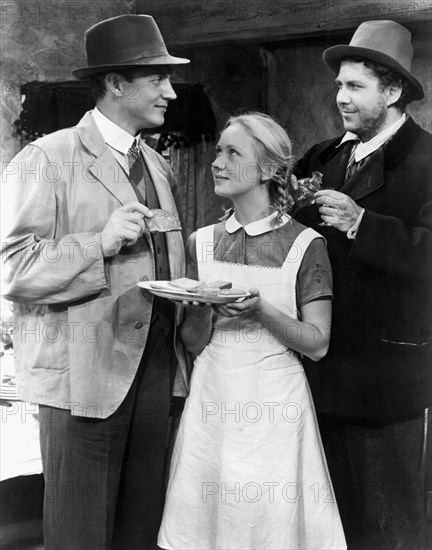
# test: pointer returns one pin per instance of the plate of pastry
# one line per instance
(190, 290)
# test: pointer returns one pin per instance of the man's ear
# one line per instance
(115, 83)
(393, 93)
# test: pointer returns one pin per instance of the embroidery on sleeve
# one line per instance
(319, 273)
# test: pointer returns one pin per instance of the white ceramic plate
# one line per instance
(165, 290)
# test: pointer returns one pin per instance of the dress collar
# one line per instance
(259, 227)
(114, 136)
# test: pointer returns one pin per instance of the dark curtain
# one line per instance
(50, 106)
(189, 128)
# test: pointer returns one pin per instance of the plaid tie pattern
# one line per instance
(136, 170)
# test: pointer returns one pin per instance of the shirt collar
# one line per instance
(256, 228)
(365, 149)
(349, 136)
(114, 136)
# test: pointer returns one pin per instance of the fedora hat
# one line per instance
(124, 41)
(385, 42)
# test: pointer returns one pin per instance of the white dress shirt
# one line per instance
(117, 139)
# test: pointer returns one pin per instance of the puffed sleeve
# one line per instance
(314, 280)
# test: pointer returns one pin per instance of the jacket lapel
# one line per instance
(335, 160)
(368, 178)
(160, 182)
(104, 168)
(174, 239)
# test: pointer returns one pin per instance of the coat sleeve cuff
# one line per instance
(352, 232)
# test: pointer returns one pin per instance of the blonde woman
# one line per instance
(248, 469)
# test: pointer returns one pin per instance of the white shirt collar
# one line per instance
(113, 135)
(256, 228)
(365, 149)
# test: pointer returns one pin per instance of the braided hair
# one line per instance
(274, 157)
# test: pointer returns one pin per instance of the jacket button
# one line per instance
(144, 278)
(138, 324)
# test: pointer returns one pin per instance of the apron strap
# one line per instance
(296, 254)
(204, 244)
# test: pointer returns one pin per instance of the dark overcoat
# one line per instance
(379, 361)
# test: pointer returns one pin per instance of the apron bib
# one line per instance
(248, 460)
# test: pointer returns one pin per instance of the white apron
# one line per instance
(248, 469)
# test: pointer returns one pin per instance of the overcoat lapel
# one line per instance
(335, 160)
(174, 239)
(368, 178)
(104, 168)
(109, 173)
(160, 182)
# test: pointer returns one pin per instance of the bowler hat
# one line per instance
(385, 42)
(124, 41)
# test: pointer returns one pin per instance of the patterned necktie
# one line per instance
(352, 165)
(135, 161)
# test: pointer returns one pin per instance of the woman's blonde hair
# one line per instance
(273, 154)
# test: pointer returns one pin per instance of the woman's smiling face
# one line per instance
(235, 169)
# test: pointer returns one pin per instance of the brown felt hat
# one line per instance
(385, 42)
(124, 41)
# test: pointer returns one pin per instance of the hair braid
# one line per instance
(278, 196)
(278, 188)
(227, 213)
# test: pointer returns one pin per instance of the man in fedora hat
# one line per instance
(372, 388)
(101, 360)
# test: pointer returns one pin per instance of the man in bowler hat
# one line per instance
(104, 364)
(372, 388)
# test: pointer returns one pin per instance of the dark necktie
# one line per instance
(145, 191)
(135, 161)
(352, 165)
(146, 194)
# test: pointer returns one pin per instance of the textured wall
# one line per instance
(296, 87)
(301, 90)
(42, 40)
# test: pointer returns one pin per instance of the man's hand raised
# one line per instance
(124, 227)
(337, 209)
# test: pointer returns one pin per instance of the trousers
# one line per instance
(104, 478)
(376, 472)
